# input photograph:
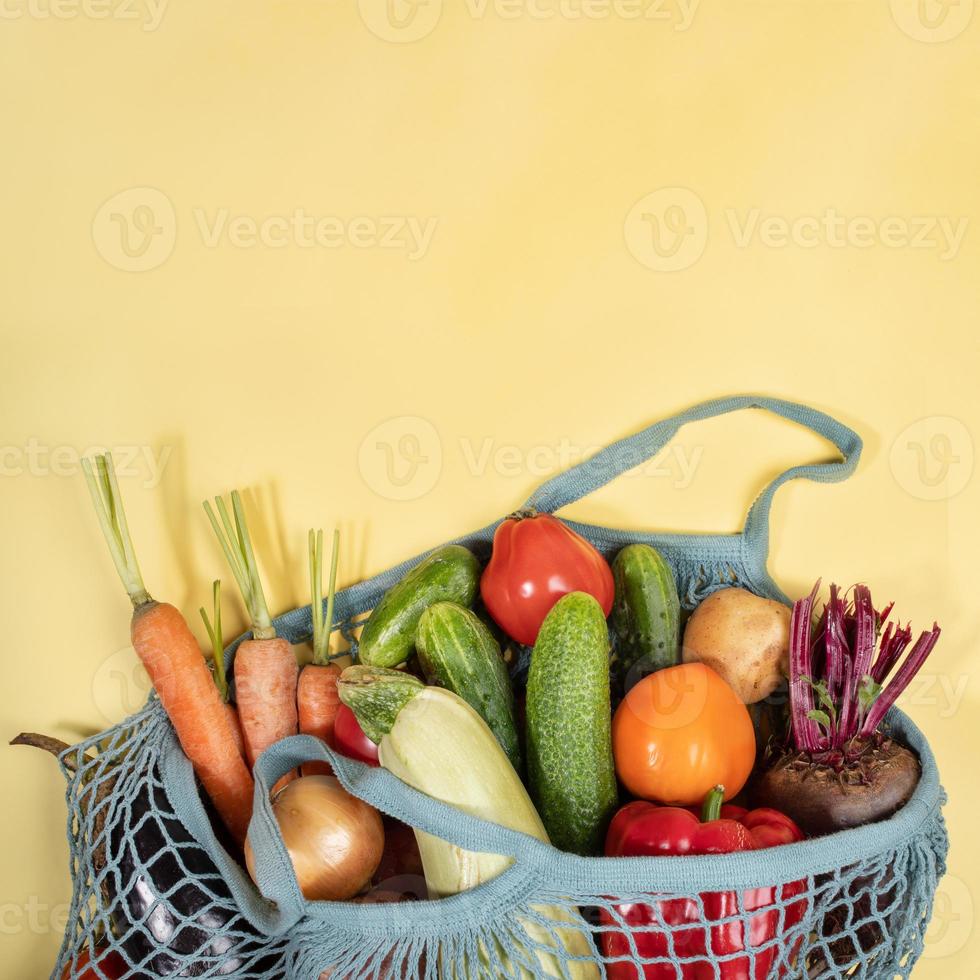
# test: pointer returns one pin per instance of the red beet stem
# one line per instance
(893, 645)
(864, 648)
(908, 670)
(834, 659)
(837, 653)
(806, 732)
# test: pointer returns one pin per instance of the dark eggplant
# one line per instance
(169, 904)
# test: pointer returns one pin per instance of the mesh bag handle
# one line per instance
(625, 454)
(613, 461)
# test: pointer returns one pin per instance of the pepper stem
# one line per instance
(711, 808)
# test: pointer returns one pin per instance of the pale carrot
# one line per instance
(167, 648)
(266, 672)
(316, 696)
(218, 659)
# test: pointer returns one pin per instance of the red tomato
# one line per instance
(536, 560)
(350, 740)
(112, 966)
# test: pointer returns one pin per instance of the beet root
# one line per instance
(838, 791)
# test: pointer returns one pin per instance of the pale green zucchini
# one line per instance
(434, 741)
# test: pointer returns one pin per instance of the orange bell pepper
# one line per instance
(681, 731)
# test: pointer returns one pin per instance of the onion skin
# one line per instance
(335, 841)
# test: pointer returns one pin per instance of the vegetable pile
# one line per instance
(633, 731)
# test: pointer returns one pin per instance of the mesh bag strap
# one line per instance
(384, 791)
(625, 454)
(537, 864)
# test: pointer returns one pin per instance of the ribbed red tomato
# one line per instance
(536, 560)
(350, 740)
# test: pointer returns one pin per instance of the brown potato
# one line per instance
(742, 637)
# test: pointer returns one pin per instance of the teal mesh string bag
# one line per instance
(154, 884)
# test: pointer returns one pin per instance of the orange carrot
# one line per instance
(266, 672)
(318, 700)
(236, 727)
(218, 659)
(167, 648)
(316, 696)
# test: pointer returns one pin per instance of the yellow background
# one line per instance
(536, 324)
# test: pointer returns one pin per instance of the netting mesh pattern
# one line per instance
(152, 881)
(143, 885)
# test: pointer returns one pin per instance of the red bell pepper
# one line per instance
(642, 828)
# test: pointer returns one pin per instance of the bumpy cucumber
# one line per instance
(569, 746)
(646, 613)
(457, 652)
(449, 574)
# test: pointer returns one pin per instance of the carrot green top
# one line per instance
(322, 623)
(217, 642)
(102, 485)
(237, 546)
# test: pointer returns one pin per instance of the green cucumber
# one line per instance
(457, 652)
(569, 745)
(645, 615)
(449, 574)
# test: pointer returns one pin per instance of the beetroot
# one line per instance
(837, 769)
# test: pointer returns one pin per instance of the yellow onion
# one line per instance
(335, 841)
